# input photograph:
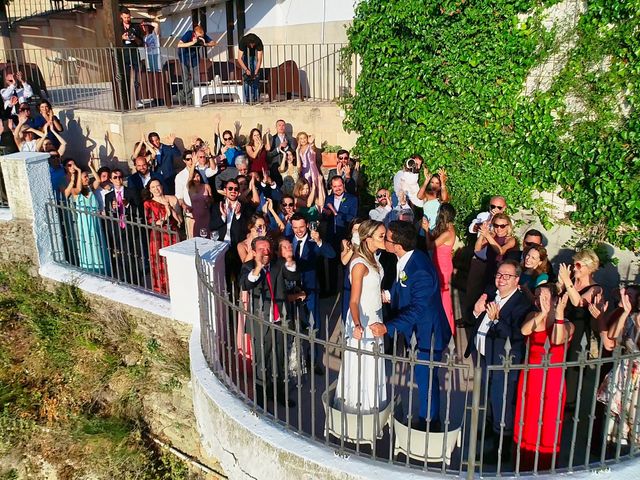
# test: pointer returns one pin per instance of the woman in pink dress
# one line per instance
(441, 240)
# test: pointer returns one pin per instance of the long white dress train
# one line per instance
(362, 378)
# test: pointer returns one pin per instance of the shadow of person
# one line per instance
(80, 146)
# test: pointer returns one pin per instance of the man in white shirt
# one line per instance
(383, 202)
(182, 194)
(499, 316)
(15, 85)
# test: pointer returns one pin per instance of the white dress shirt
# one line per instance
(402, 262)
(297, 240)
(486, 323)
(336, 201)
(182, 179)
(380, 213)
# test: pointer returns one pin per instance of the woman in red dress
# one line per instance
(257, 151)
(542, 391)
(162, 212)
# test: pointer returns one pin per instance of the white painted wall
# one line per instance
(281, 16)
(283, 13)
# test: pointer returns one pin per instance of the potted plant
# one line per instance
(330, 155)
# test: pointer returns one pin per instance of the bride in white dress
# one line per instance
(362, 380)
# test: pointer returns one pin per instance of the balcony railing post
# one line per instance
(475, 420)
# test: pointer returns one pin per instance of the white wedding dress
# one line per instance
(362, 378)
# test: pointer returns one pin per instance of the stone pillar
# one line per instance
(183, 277)
(28, 185)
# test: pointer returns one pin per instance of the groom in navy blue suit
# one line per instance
(417, 309)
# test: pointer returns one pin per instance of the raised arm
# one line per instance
(63, 143)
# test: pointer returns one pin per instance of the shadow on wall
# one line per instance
(81, 145)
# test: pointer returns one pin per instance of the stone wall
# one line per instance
(16, 238)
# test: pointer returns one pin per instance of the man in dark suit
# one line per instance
(308, 250)
(228, 219)
(281, 142)
(345, 170)
(416, 308)
(139, 180)
(164, 160)
(499, 315)
(339, 209)
(264, 278)
(125, 242)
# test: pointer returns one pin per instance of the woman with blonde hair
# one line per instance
(361, 381)
(499, 239)
(577, 280)
(306, 153)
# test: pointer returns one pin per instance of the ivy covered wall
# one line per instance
(511, 96)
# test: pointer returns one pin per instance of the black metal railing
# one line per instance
(4, 199)
(22, 9)
(123, 249)
(271, 367)
(123, 79)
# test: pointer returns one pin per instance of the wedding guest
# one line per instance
(306, 155)
(309, 199)
(182, 192)
(534, 269)
(499, 241)
(256, 227)
(288, 169)
(441, 240)
(257, 151)
(199, 193)
(500, 313)
(541, 391)
(579, 283)
(161, 211)
(345, 170)
(164, 155)
(309, 248)
(383, 207)
(264, 278)
(432, 193)
(139, 180)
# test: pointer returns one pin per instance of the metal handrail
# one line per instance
(124, 79)
(463, 413)
(123, 246)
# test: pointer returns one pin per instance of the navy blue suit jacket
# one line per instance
(307, 268)
(164, 166)
(135, 181)
(337, 225)
(510, 319)
(417, 305)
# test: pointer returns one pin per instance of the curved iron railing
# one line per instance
(590, 435)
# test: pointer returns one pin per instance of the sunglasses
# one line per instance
(232, 189)
(287, 204)
(344, 157)
(115, 176)
(499, 207)
(530, 244)
(381, 196)
(500, 225)
(226, 139)
(188, 158)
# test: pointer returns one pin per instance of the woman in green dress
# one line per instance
(309, 198)
(90, 240)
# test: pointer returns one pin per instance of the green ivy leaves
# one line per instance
(445, 79)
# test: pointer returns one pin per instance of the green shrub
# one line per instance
(445, 79)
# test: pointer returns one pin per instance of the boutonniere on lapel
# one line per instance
(343, 199)
(403, 278)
